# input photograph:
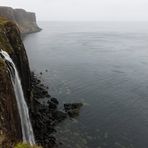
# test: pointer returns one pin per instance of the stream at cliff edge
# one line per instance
(102, 65)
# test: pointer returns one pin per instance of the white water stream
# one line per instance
(27, 131)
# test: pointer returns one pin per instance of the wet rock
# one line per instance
(51, 105)
(44, 92)
(59, 116)
(48, 96)
(47, 115)
(72, 106)
(55, 101)
(73, 113)
(73, 109)
(52, 140)
(39, 81)
(42, 85)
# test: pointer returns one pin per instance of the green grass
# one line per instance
(3, 20)
(23, 145)
(4, 41)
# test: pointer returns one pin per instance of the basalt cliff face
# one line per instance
(26, 21)
(11, 42)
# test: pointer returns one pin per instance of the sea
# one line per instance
(103, 65)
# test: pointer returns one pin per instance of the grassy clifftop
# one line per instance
(4, 42)
(20, 145)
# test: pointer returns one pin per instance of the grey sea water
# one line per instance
(105, 66)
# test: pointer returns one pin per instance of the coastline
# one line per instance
(46, 116)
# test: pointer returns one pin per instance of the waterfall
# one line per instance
(27, 131)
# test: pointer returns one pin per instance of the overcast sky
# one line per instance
(95, 10)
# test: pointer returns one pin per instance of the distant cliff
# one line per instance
(26, 21)
(10, 125)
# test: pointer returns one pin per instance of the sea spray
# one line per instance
(27, 131)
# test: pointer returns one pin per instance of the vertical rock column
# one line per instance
(10, 125)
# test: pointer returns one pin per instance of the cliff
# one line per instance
(26, 21)
(10, 41)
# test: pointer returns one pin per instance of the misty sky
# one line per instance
(94, 10)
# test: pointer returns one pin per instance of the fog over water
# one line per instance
(93, 10)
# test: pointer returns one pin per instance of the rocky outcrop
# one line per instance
(10, 41)
(26, 21)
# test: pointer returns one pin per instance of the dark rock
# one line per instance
(54, 100)
(52, 140)
(73, 113)
(73, 109)
(51, 105)
(47, 116)
(59, 116)
(48, 96)
(44, 92)
(38, 81)
(42, 85)
(71, 106)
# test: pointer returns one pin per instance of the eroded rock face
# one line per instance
(10, 125)
(26, 20)
(11, 42)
